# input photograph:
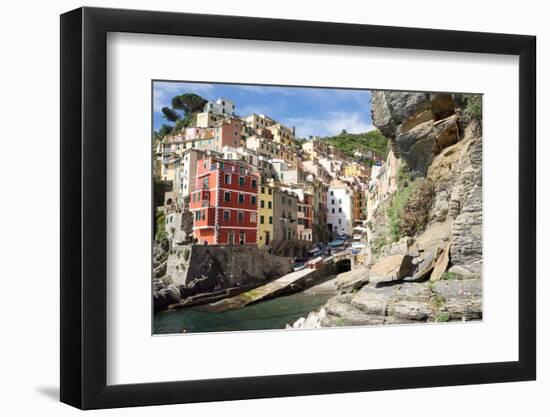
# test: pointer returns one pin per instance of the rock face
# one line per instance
(434, 272)
(419, 125)
(398, 303)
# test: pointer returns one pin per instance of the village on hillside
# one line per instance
(233, 180)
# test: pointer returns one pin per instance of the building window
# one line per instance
(339, 201)
(254, 183)
(340, 210)
(339, 221)
(332, 193)
(333, 201)
(253, 200)
(270, 191)
(240, 217)
(228, 178)
(262, 203)
(226, 214)
(227, 196)
(241, 181)
(253, 217)
(270, 220)
(332, 211)
(261, 219)
(221, 165)
(241, 198)
(263, 190)
(269, 204)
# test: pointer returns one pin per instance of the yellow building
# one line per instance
(282, 134)
(355, 170)
(169, 166)
(265, 213)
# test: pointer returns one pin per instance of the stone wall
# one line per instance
(204, 269)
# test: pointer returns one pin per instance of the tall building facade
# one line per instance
(340, 208)
(225, 202)
(265, 216)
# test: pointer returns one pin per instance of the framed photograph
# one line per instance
(258, 208)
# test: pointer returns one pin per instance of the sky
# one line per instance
(312, 111)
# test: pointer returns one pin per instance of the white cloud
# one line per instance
(163, 91)
(331, 124)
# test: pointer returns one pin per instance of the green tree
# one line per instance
(163, 131)
(188, 103)
(170, 115)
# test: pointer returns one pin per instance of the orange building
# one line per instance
(225, 202)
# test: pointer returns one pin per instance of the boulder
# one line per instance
(442, 105)
(441, 264)
(446, 132)
(434, 236)
(351, 280)
(404, 105)
(418, 147)
(415, 120)
(424, 267)
(391, 268)
(391, 108)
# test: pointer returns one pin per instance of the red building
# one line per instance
(225, 203)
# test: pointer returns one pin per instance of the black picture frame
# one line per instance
(84, 207)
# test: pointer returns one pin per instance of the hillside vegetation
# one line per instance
(350, 142)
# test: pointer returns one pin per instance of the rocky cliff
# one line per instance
(426, 261)
(193, 273)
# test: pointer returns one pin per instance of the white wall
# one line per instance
(30, 302)
(342, 200)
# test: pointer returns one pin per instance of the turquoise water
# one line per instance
(266, 315)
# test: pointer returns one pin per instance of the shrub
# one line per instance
(442, 318)
(450, 275)
(398, 202)
(377, 244)
(186, 253)
(473, 108)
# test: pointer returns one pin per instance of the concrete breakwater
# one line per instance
(287, 284)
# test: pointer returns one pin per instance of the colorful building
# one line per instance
(225, 202)
(283, 135)
(265, 216)
(208, 119)
(304, 228)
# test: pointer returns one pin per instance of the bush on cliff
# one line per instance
(398, 202)
(409, 209)
(473, 108)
